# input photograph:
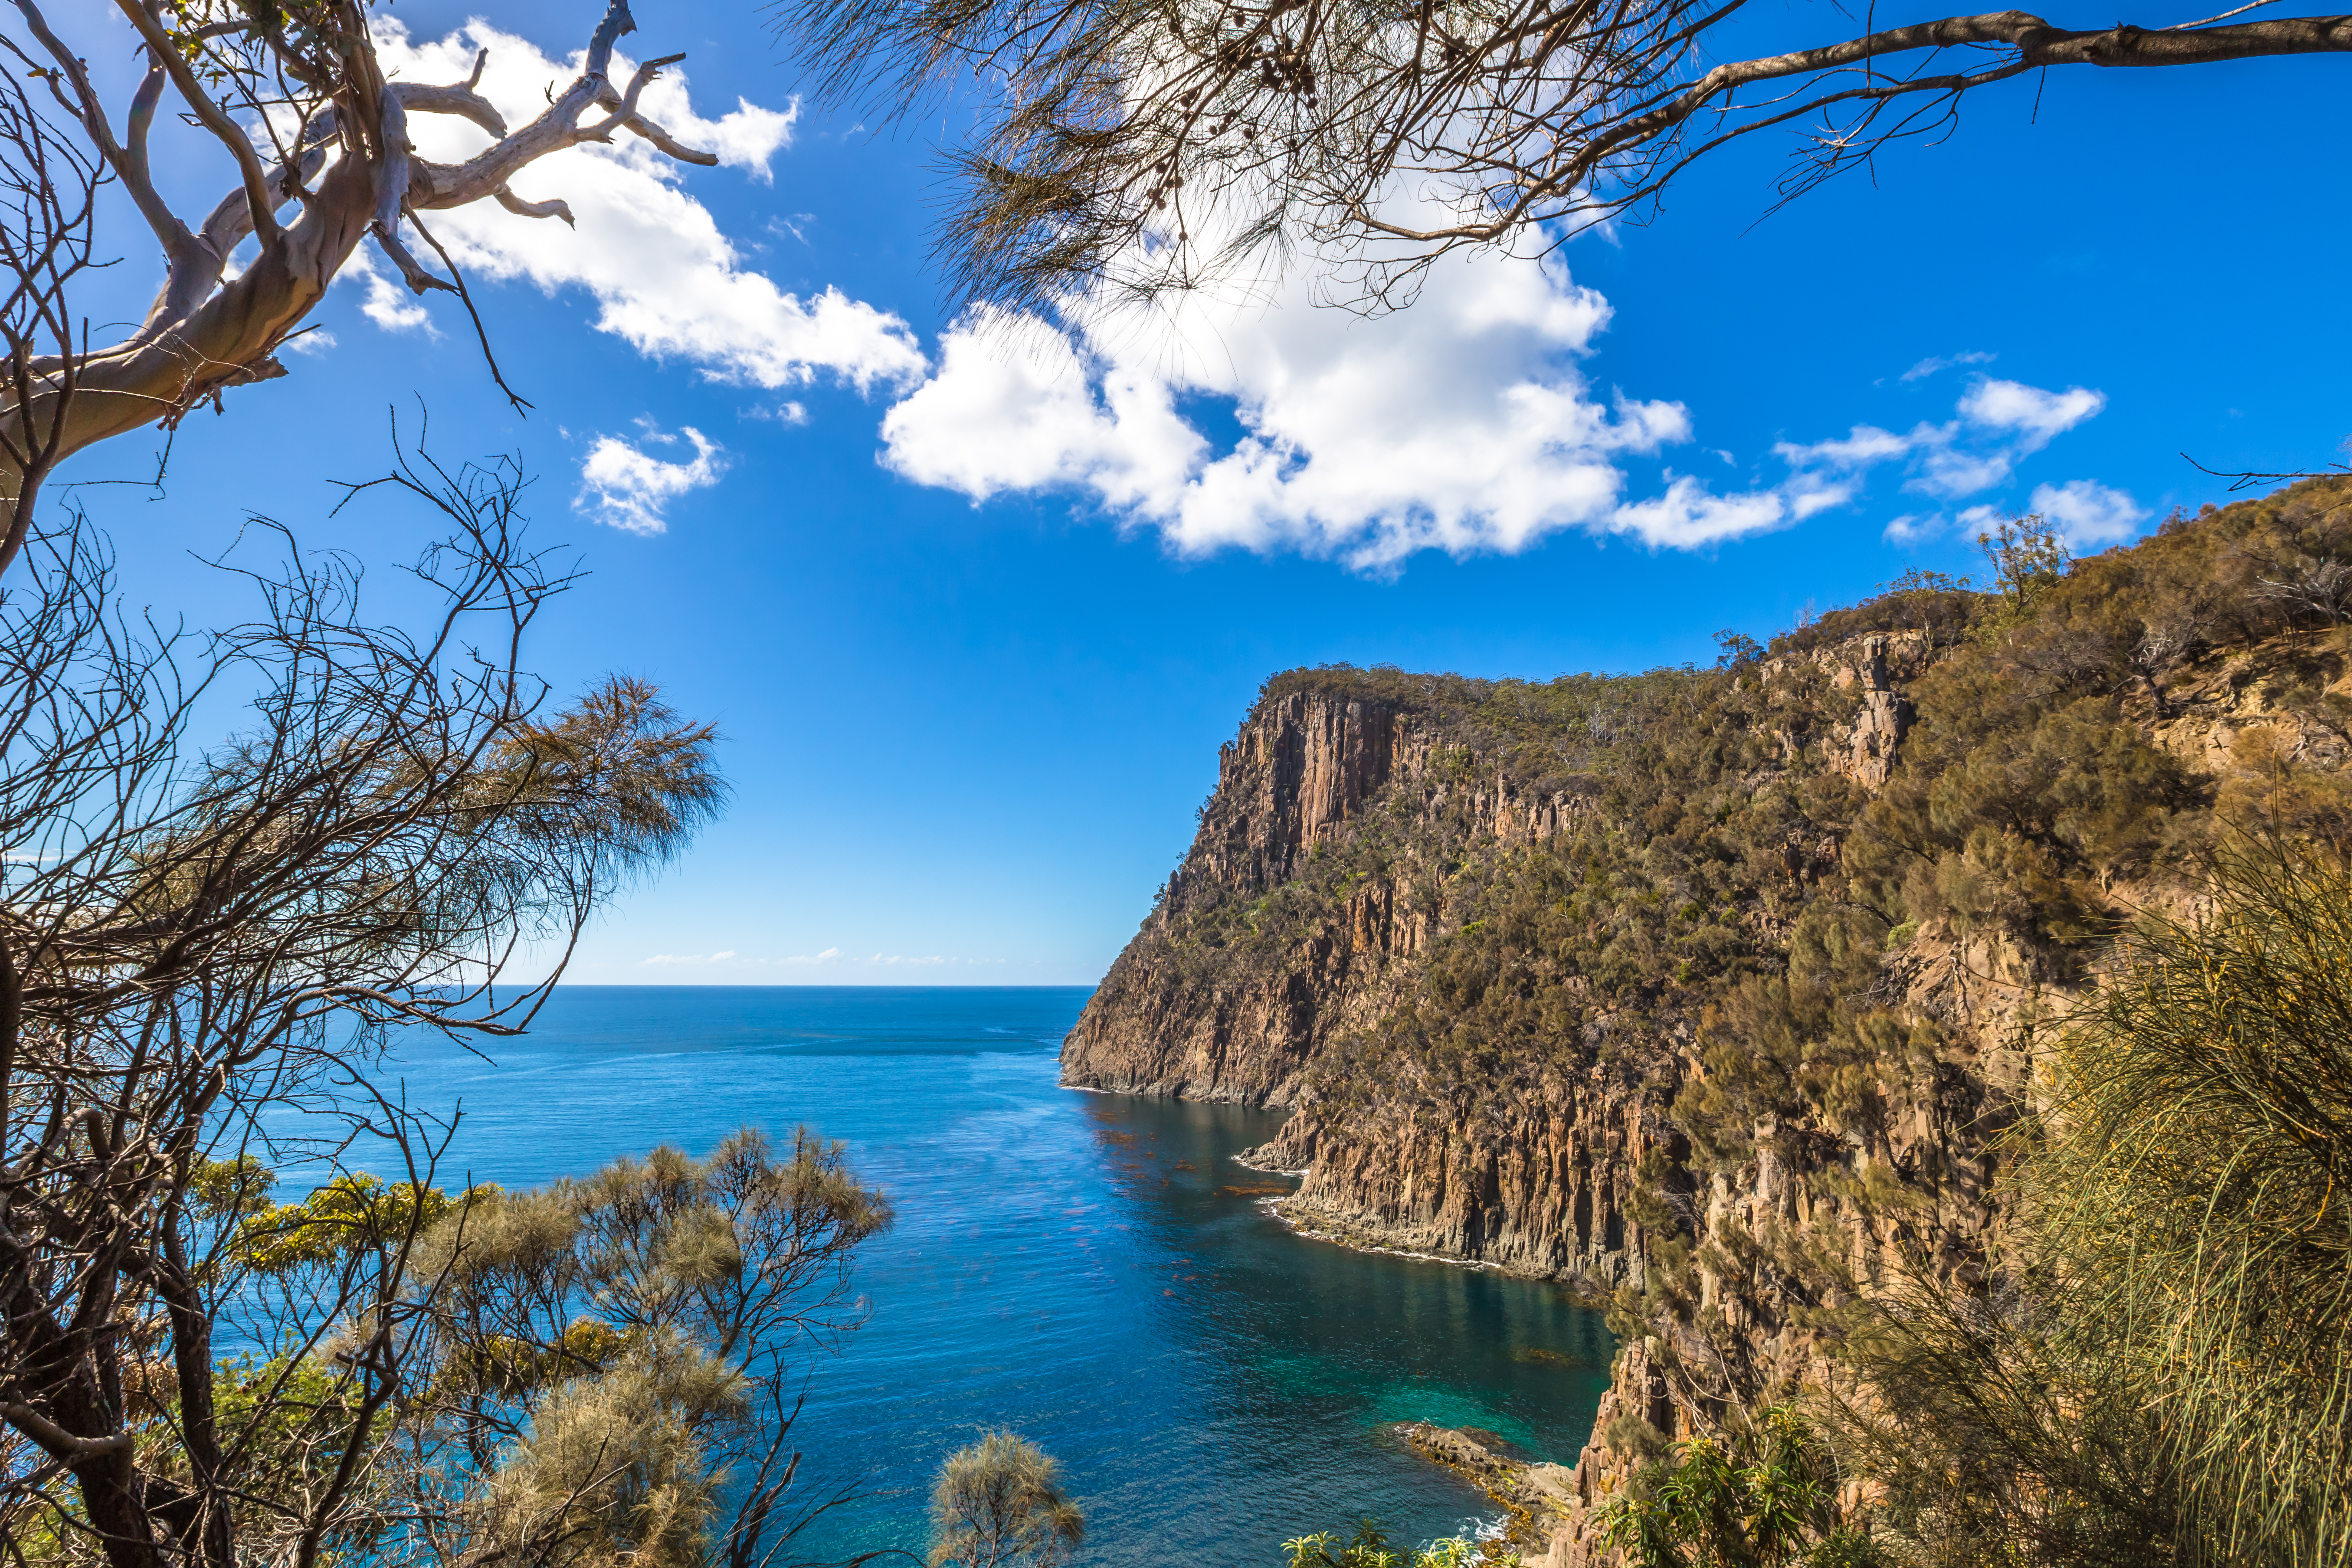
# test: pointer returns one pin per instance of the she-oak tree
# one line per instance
(317, 136)
(1128, 146)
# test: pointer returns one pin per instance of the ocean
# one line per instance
(1077, 1266)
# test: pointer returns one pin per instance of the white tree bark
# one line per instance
(348, 176)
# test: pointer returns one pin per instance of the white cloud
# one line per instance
(629, 487)
(1461, 425)
(1014, 405)
(1928, 367)
(2035, 414)
(1996, 425)
(664, 278)
(1945, 470)
(1968, 524)
(2088, 513)
(387, 302)
(1859, 447)
(1687, 516)
(668, 958)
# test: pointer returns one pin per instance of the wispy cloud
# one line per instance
(1928, 367)
(1995, 424)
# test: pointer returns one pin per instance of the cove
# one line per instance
(1091, 1271)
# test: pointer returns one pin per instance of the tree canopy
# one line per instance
(1143, 144)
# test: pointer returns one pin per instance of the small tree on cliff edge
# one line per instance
(333, 170)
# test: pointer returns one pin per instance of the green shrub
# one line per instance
(1763, 1496)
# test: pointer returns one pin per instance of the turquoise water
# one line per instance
(1063, 1264)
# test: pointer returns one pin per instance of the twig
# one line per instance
(521, 404)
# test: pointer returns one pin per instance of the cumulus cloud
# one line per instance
(665, 280)
(1462, 424)
(670, 958)
(629, 488)
(2088, 513)
(2034, 415)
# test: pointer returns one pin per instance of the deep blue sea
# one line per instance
(1063, 1264)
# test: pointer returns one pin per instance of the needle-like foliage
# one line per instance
(1148, 143)
(2166, 1378)
(202, 953)
(2201, 1195)
(998, 1503)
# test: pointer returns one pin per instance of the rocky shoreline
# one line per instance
(1538, 1500)
(1301, 1222)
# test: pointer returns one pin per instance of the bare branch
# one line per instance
(2251, 479)
(129, 164)
(459, 99)
(555, 206)
(625, 109)
(481, 334)
(211, 115)
(310, 197)
(652, 131)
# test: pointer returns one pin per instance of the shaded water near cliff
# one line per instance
(1091, 1271)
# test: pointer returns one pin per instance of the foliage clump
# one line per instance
(2165, 1373)
(1369, 1546)
(998, 1503)
(1763, 1495)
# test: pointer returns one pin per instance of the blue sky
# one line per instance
(967, 736)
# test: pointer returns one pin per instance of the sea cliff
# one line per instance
(1712, 991)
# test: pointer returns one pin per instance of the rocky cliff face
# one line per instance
(1308, 772)
(1708, 993)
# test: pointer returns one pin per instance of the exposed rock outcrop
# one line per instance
(1305, 771)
